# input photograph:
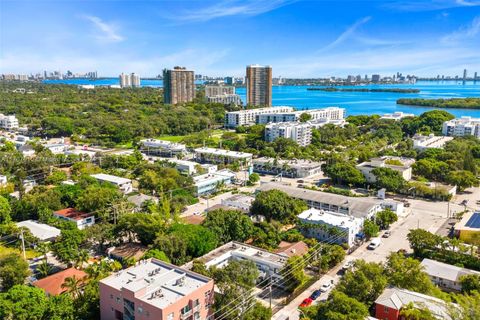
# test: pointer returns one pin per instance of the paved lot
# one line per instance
(427, 215)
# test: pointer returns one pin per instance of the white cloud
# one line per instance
(464, 33)
(227, 8)
(346, 34)
(105, 31)
(419, 5)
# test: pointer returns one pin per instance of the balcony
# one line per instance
(186, 315)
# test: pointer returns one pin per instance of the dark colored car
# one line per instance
(315, 294)
(306, 303)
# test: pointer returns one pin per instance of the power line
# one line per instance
(287, 276)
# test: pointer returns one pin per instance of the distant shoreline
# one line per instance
(394, 90)
(457, 103)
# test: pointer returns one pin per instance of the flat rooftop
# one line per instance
(296, 164)
(358, 207)
(40, 230)
(329, 217)
(156, 283)
(72, 213)
(242, 251)
(110, 178)
(223, 152)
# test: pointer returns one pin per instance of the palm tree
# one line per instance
(81, 258)
(43, 248)
(72, 286)
(44, 269)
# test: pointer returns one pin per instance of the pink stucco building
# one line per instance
(156, 290)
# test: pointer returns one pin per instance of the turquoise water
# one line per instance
(354, 102)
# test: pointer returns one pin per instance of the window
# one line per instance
(385, 310)
(140, 309)
(170, 316)
(196, 303)
(118, 300)
(111, 296)
(186, 309)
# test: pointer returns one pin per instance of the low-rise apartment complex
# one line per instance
(162, 147)
(402, 165)
(155, 290)
(268, 264)
(299, 132)
(431, 141)
(8, 122)
(330, 113)
(221, 156)
(397, 115)
(359, 207)
(464, 126)
(287, 168)
(209, 182)
(330, 226)
(248, 117)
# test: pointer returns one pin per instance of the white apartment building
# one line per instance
(218, 90)
(221, 156)
(162, 147)
(248, 117)
(431, 141)
(268, 264)
(124, 184)
(330, 113)
(405, 169)
(225, 99)
(332, 226)
(209, 182)
(287, 168)
(396, 116)
(129, 80)
(301, 133)
(8, 122)
(464, 126)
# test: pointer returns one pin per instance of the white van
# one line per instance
(374, 243)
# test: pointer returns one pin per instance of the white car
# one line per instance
(374, 243)
(325, 287)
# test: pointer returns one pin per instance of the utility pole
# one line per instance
(23, 244)
(270, 291)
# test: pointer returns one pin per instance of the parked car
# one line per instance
(315, 294)
(374, 243)
(348, 265)
(306, 303)
(326, 286)
(387, 234)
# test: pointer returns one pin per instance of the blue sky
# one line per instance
(298, 38)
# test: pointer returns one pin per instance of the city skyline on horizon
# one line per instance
(300, 39)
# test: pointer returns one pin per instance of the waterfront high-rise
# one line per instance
(178, 85)
(475, 76)
(135, 80)
(124, 80)
(259, 85)
(464, 74)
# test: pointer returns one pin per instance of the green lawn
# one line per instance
(171, 138)
(7, 250)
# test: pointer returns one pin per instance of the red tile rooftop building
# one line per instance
(81, 219)
(53, 283)
(156, 290)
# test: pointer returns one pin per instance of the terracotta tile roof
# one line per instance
(290, 249)
(72, 213)
(53, 283)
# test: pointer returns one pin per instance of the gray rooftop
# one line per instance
(396, 298)
(445, 271)
(357, 207)
(40, 230)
